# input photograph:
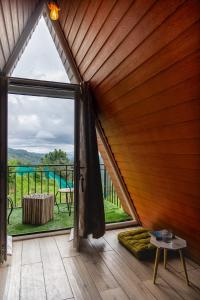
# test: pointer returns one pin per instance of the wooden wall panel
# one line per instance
(152, 44)
(13, 19)
(85, 25)
(143, 61)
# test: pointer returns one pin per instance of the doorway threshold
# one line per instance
(35, 235)
(119, 225)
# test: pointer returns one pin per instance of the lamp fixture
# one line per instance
(54, 10)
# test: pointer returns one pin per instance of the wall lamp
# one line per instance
(54, 10)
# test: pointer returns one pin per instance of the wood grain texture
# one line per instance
(82, 285)
(33, 256)
(139, 33)
(94, 273)
(65, 246)
(32, 282)
(12, 288)
(143, 61)
(56, 280)
(37, 209)
(13, 19)
(151, 46)
(130, 283)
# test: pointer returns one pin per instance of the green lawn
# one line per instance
(61, 220)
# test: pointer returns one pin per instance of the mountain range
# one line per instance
(24, 156)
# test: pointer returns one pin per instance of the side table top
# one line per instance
(175, 244)
(37, 196)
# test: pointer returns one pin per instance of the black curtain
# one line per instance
(91, 206)
(3, 168)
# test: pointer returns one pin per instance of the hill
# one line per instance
(24, 156)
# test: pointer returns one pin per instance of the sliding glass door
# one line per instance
(37, 88)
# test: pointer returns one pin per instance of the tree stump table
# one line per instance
(37, 209)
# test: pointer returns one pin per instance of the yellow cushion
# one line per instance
(137, 242)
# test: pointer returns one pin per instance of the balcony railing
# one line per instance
(26, 179)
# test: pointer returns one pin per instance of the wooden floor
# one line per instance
(49, 268)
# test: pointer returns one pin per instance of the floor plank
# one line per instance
(82, 284)
(88, 253)
(176, 264)
(32, 282)
(101, 275)
(162, 290)
(100, 244)
(33, 256)
(65, 246)
(12, 288)
(114, 294)
(177, 282)
(194, 277)
(127, 279)
(56, 281)
(4, 271)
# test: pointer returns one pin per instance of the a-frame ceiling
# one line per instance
(142, 59)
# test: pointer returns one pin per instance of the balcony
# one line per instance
(48, 179)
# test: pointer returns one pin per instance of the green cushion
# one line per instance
(137, 242)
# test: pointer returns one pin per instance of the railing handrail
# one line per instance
(45, 165)
(41, 165)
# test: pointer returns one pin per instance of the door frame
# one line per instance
(76, 240)
(3, 166)
(39, 88)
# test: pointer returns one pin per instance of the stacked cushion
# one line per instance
(138, 242)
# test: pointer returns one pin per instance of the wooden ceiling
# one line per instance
(14, 15)
(143, 61)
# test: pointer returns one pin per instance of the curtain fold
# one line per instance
(91, 206)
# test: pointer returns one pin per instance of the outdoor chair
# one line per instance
(10, 205)
(69, 197)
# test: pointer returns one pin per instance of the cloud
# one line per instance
(35, 122)
(44, 134)
(40, 59)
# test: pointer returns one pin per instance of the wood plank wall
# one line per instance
(143, 61)
(14, 15)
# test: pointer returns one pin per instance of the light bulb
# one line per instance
(54, 10)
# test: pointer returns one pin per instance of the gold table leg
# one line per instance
(156, 264)
(184, 265)
(165, 258)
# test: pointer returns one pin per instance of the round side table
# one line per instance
(175, 244)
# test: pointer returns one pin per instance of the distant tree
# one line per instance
(14, 162)
(11, 172)
(58, 157)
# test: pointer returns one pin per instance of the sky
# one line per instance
(39, 124)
